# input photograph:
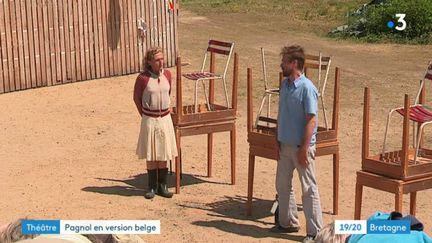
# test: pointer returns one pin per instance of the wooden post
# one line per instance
(358, 199)
(249, 100)
(179, 114)
(335, 119)
(413, 196)
(179, 105)
(211, 101)
(365, 142)
(405, 137)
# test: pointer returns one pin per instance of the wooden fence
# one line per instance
(50, 42)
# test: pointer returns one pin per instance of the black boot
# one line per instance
(152, 184)
(163, 188)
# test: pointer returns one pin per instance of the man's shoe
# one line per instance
(280, 229)
(309, 239)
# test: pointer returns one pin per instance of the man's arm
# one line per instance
(309, 129)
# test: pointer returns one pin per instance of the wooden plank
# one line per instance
(206, 129)
(36, 36)
(81, 31)
(103, 39)
(66, 28)
(20, 32)
(134, 37)
(25, 43)
(14, 44)
(110, 39)
(263, 152)
(163, 11)
(62, 39)
(77, 35)
(123, 30)
(44, 44)
(173, 31)
(97, 20)
(91, 40)
(7, 57)
(31, 40)
(71, 44)
(176, 7)
(86, 51)
(169, 35)
(146, 41)
(42, 54)
(56, 40)
(159, 24)
(10, 42)
(131, 37)
(127, 35)
(49, 42)
(4, 77)
(118, 37)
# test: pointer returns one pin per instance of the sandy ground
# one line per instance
(67, 152)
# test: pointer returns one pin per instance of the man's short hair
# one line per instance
(294, 53)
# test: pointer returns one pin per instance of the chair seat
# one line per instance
(201, 75)
(418, 113)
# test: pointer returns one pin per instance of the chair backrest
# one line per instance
(219, 47)
(427, 75)
(322, 64)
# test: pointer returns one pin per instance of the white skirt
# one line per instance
(157, 141)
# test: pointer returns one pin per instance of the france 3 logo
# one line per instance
(401, 22)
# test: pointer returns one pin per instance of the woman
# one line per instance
(156, 143)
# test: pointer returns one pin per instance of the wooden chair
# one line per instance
(214, 47)
(319, 63)
(197, 119)
(418, 113)
(393, 171)
(263, 142)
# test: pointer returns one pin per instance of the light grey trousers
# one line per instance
(288, 215)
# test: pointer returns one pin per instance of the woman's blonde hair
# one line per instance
(12, 233)
(150, 55)
(327, 235)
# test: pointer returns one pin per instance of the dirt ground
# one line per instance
(67, 152)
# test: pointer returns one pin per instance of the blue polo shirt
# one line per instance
(296, 100)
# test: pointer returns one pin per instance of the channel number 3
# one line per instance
(402, 21)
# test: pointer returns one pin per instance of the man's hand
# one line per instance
(302, 156)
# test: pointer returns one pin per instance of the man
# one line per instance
(297, 127)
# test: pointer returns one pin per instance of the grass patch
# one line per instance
(326, 14)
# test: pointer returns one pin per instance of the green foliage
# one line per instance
(373, 24)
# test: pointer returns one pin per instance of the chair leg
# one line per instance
(233, 154)
(250, 184)
(399, 200)
(177, 165)
(358, 200)
(413, 198)
(209, 154)
(205, 95)
(335, 183)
